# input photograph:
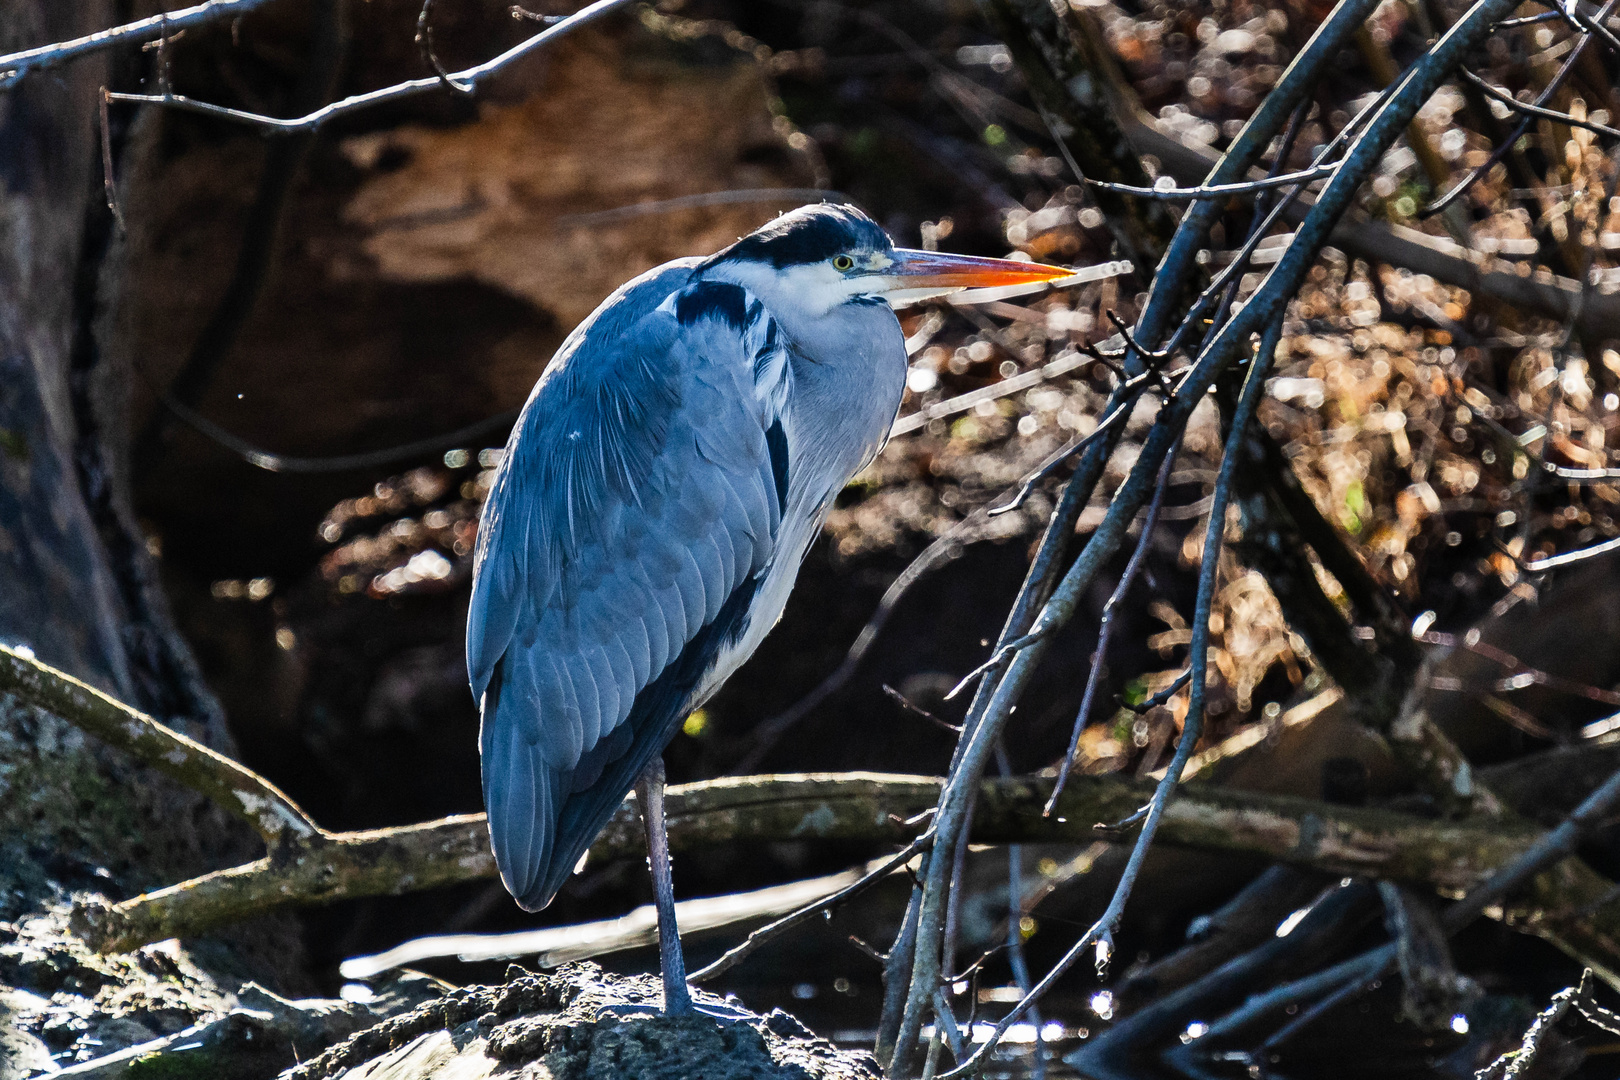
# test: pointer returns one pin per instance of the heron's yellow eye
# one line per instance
(843, 262)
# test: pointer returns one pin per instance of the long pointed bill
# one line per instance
(917, 275)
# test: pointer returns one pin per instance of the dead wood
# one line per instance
(307, 865)
(873, 807)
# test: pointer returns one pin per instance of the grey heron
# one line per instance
(660, 489)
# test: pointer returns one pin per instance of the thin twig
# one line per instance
(1501, 150)
(1105, 629)
(1580, 476)
(430, 57)
(1524, 675)
(269, 461)
(109, 184)
(765, 934)
(1061, 365)
(521, 13)
(996, 659)
(15, 65)
(1149, 704)
(1584, 23)
(1132, 391)
(917, 710)
(1528, 20)
(1516, 1063)
(1570, 558)
(472, 78)
(1221, 191)
(1535, 110)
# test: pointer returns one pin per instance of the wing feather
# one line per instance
(705, 552)
(635, 506)
(561, 730)
(625, 684)
(690, 582)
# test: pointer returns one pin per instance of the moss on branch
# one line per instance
(236, 788)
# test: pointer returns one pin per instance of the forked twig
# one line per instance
(430, 57)
(471, 77)
(1221, 191)
(15, 65)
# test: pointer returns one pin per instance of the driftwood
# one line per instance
(315, 867)
(1449, 856)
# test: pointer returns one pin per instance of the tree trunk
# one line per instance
(76, 581)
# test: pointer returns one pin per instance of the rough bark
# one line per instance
(76, 584)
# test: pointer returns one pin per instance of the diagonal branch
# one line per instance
(1267, 303)
(236, 788)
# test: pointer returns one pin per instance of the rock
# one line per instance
(166, 1009)
(580, 1024)
(21, 1053)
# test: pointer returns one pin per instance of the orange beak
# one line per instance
(917, 275)
(939, 270)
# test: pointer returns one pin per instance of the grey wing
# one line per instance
(634, 513)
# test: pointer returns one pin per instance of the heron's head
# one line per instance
(820, 257)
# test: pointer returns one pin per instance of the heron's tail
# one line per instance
(543, 819)
(523, 796)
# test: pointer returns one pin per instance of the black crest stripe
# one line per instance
(712, 299)
(776, 443)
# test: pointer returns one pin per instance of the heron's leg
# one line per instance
(650, 797)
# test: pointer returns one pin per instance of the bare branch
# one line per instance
(470, 78)
(1570, 558)
(963, 402)
(1536, 110)
(1221, 191)
(1517, 1063)
(15, 65)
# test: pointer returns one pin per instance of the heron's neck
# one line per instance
(848, 371)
